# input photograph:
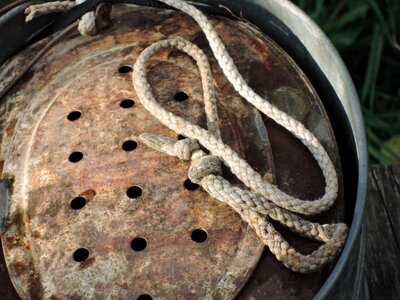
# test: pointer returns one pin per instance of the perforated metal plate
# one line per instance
(93, 216)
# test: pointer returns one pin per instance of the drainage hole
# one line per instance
(75, 157)
(144, 297)
(78, 203)
(127, 103)
(124, 69)
(199, 235)
(81, 254)
(181, 96)
(134, 192)
(129, 145)
(138, 244)
(74, 115)
(189, 185)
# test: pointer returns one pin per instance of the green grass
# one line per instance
(367, 35)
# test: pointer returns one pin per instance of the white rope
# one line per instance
(37, 10)
(254, 206)
(86, 25)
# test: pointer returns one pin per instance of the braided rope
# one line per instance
(37, 10)
(267, 200)
(86, 25)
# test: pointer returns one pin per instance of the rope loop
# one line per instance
(261, 200)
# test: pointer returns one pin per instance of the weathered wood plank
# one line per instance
(381, 225)
(389, 188)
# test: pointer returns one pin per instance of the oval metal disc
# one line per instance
(95, 217)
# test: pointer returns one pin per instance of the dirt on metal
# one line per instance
(90, 220)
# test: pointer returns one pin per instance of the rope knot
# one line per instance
(335, 231)
(204, 166)
(185, 148)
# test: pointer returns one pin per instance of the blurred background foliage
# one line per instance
(5, 2)
(367, 35)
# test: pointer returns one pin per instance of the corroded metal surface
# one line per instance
(81, 74)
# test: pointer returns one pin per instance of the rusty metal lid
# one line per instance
(96, 214)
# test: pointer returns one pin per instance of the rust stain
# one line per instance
(87, 263)
(10, 131)
(88, 195)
